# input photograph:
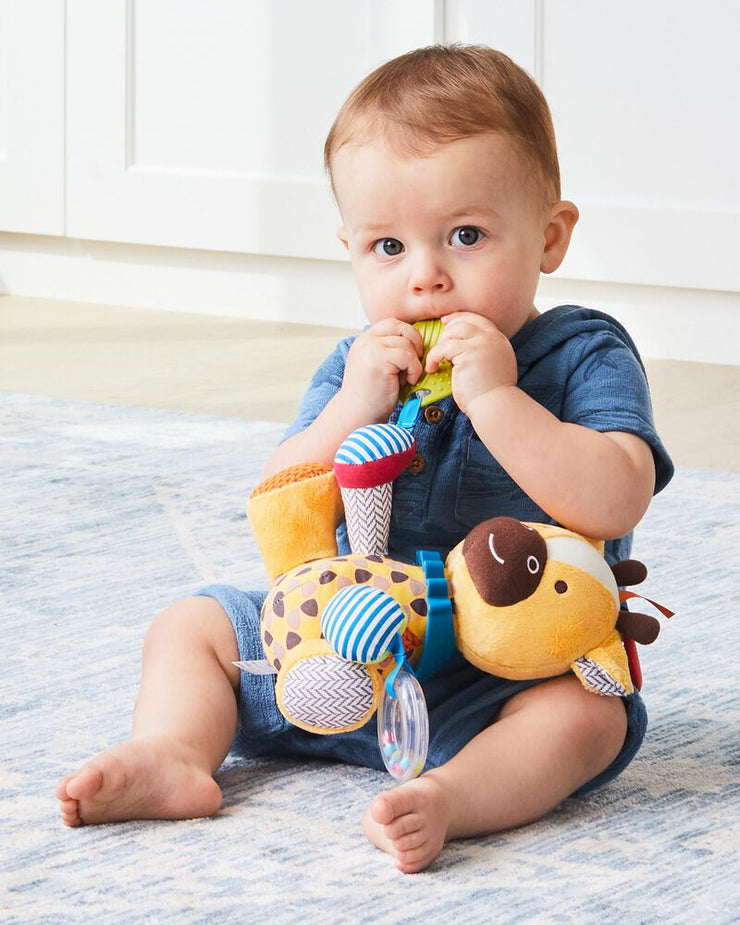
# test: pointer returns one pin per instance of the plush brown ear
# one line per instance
(629, 572)
(638, 626)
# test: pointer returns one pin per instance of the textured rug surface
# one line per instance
(108, 514)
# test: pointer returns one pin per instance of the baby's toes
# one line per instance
(70, 812)
(409, 842)
(382, 810)
(61, 792)
(403, 825)
(414, 859)
(392, 805)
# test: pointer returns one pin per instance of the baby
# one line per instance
(445, 170)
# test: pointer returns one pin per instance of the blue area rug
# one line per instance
(108, 514)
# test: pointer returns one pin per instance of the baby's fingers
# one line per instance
(447, 348)
(469, 319)
(392, 327)
(406, 363)
(434, 358)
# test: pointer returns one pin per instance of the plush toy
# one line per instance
(349, 635)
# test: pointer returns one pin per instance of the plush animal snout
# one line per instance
(505, 559)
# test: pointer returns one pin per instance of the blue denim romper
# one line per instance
(583, 367)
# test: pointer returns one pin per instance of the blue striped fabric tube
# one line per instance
(374, 441)
(359, 622)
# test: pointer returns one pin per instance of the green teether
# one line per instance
(439, 384)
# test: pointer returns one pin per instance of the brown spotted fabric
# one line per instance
(292, 610)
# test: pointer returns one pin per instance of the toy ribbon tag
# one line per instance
(628, 595)
(638, 627)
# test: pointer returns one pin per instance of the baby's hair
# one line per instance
(443, 93)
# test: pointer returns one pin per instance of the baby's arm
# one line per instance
(598, 484)
(380, 360)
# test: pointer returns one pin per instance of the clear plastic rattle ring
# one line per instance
(403, 726)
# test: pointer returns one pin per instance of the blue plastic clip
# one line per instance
(410, 412)
(439, 640)
(397, 651)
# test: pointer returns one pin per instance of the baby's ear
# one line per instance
(563, 218)
(342, 235)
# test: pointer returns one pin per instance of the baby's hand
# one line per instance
(482, 357)
(380, 361)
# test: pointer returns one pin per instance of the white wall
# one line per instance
(167, 153)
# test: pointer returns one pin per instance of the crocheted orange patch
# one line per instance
(289, 476)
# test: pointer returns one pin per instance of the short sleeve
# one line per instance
(607, 390)
(326, 382)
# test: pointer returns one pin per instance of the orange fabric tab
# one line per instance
(289, 476)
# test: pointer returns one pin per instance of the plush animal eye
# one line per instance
(561, 587)
(533, 565)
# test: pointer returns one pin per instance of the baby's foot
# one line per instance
(138, 780)
(410, 823)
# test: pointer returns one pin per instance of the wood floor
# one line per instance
(247, 369)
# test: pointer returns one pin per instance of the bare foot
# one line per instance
(411, 823)
(139, 780)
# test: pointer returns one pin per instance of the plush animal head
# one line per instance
(533, 600)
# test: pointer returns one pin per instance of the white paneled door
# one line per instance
(32, 116)
(201, 125)
(196, 124)
(644, 98)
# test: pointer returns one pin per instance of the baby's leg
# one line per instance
(184, 724)
(547, 742)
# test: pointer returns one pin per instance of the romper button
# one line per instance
(434, 414)
(418, 464)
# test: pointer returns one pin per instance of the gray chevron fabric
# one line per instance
(328, 692)
(367, 512)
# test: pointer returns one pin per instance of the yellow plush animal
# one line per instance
(518, 600)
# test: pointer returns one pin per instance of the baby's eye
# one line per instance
(465, 236)
(388, 247)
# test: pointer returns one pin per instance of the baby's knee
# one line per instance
(596, 725)
(188, 619)
(592, 725)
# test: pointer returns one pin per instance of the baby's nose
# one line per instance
(429, 275)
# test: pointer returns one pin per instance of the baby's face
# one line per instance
(460, 230)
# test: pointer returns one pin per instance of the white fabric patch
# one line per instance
(572, 551)
(256, 666)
